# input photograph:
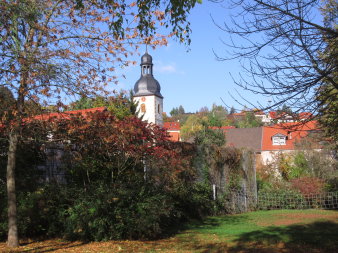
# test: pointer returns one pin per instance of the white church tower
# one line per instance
(147, 93)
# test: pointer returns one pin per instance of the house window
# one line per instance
(158, 109)
(143, 108)
(279, 140)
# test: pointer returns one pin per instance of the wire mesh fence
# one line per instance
(241, 201)
(328, 200)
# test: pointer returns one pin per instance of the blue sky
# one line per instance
(194, 78)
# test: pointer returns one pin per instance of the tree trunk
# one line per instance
(13, 238)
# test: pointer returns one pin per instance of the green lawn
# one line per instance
(267, 231)
(264, 231)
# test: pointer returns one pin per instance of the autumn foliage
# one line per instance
(308, 185)
(118, 143)
(121, 178)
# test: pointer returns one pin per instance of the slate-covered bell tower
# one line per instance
(147, 93)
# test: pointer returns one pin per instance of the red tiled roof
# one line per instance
(172, 126)
(293, 130)
(301, 115)
(305, 115)
(272, 114)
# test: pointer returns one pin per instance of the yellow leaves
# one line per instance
(111, 50)
(164, 41)
(100, 19)
(85, 54)
(131, 36)
(35, 98)
(105, 19)
(159, 14)
(92, 13)
(66, 52)
(45, 91)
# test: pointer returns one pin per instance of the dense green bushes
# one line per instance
(138, 211)
(135, 213)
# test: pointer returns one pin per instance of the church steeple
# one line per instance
(147, 84)
(147, 64)
(147, 93)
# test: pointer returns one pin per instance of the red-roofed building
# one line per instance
(305, 115)
(257, 113)
(285, 117)
(283, 137)
(270, 140)
(174, 130)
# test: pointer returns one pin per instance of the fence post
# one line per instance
(245, 197)
(214, 191)
(255, 180)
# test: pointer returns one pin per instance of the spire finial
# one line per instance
(146, 47)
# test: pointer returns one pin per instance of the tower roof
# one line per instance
(147, 84)
(146, 59)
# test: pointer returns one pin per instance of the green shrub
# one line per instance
(143, 211)
(332, 185)
(138, 211)
(126, 213)
(194, 201)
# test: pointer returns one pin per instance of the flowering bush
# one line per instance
(308, 185)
